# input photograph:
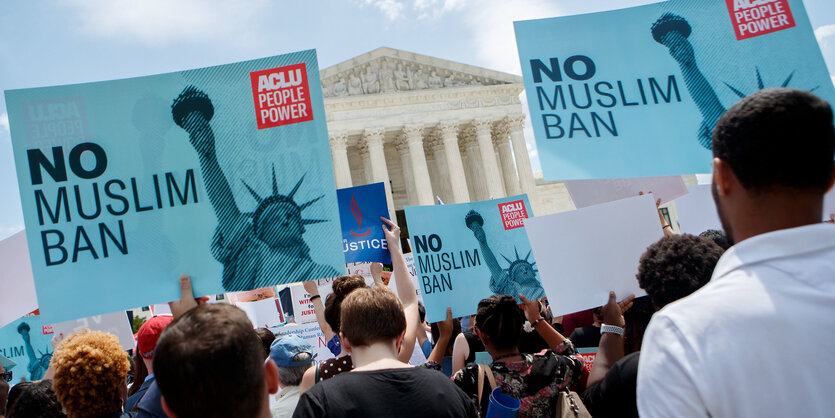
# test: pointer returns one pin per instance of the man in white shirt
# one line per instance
(758, 339)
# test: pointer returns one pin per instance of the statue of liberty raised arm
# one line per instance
(520, 275)
(259, 248)
(37, 364)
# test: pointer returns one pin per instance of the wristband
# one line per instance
(535, 323)
(612, 329)
(667, 226)
(314, 297)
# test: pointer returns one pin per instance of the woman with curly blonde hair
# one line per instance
(90, 372)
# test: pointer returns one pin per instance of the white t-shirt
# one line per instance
(756, 341)
(285, 401)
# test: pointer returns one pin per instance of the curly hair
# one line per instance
(342, 286)
(501, 319)
(677, 266)
(90, 368)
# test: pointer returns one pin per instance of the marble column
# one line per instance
(493, 178)
(377, 158)
(457, 180)
(366, 164)
(476, 167)
(423, 185)
(437, 153)
(516, 124)
(408, 177)
(339, 154)
(502, 145)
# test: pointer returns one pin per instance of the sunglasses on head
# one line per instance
(7, 376)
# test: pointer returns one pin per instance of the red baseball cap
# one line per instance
(148, 335)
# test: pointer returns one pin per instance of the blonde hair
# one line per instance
(90, 368)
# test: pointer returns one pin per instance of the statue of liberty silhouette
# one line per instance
(520, 276)
(258, 248)
(38, 363)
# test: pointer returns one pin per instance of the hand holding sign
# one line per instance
(187, 300)
(613, 310)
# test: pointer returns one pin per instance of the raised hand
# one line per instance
(531, 308)
(187, 300)
(392, 233)
(613, 310)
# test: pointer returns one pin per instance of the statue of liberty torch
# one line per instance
(672, 31)
(520, 276)
(259, 248)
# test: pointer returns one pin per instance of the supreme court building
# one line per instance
(428, 128)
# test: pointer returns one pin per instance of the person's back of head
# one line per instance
(33, 400)
(718, 237)
(342, 287)
(676, 266)
(778, 138)
(210, 362)
(293, 356)
(267, 337)
(773, 154)
(500, 320)
(90, 373)
(372, 315)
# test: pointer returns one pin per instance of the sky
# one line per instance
(44, 43)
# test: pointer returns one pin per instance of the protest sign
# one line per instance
(636, 92)
(27, 342)
(303, 312)
(223, 173)
(310, 333)
(585, 253)
(588, 355)
(18, 296)
(263, 313)
(457, 249)
(593, 192)
(252, 295)
(115, 323)
(7, 363)
(696, 211)
(360, 209)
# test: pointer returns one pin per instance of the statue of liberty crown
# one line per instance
(276, 198)
(519, 261)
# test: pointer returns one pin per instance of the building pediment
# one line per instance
(386, 71)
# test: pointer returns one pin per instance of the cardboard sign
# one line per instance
(115, 323)
(18, 296)
(27, 342)
(252, 295)
(360, 209)
(127, 184)
(594, 192)
(468, 251)
(636, 92)
(696, 211)
(585, 253)
(264, 313)
(310, 333)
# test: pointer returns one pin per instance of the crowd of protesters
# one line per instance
(724, 316)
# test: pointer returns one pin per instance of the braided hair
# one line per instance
(500, 318)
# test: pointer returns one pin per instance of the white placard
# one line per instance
(263, 313)
(115, 323)
(17, 287)
(586, 193)
(704, 178)
(583, 254)
(161, 309)
(310, 333)
(303, 312)
(696, 211)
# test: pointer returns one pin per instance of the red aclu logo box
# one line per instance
(513, 214)
(281, 96)
(759, 17)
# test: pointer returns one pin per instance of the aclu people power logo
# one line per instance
(513, 214)
(281, 96)
(759, 17)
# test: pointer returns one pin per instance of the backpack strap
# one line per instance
(316, 374)
(491, 379)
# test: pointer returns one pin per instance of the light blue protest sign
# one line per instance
(29, 344)
(636, 92)
(466, 252)
(223, 173)
(360, 209)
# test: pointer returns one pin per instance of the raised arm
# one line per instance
(312, 289)
(551, 336)
(611, 344)
(460, 352)
(445, 331)
(405, 289)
